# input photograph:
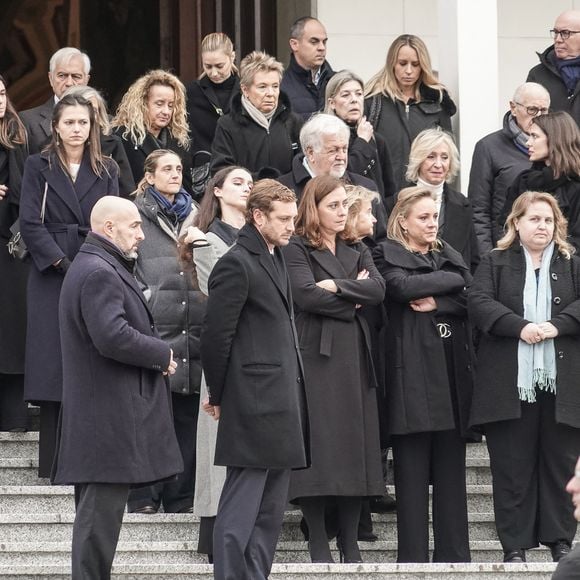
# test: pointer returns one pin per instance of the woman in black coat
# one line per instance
(554, 150)
(428, 378)
(525, 301)
(433, 164)
(13, 272)
(330, 280)
(368, 153)
(208, 98)
(404, 98)
(260, 133)
(59, 189)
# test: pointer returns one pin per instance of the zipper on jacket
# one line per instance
(407, 110)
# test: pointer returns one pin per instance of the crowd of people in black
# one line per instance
(423, 318)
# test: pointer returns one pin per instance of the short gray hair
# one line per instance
(423, 144)
(337, 81)
(526, 88)
(320, 126)
(65, 55)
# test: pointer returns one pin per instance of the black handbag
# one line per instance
(16, 245)
(200, 174)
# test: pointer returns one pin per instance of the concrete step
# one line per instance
(60, 499)
(23, 445)
(530, 571)
(185, 552)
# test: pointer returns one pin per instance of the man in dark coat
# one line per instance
(499, 158)
(252, 364)
(559, 68)
(116, 424)
(308, 72)
(68, 66)
(324, 140)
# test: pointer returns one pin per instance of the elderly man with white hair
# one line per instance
(67, 67)
(499, 158)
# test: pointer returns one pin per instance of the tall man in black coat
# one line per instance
(116, 425)
(253, 369)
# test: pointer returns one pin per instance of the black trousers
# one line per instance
(531, 461)
(177, 494)
(98, 520)
(569, 567)
(248, 522)
(47, 437)
(13, 409)
(436, 457)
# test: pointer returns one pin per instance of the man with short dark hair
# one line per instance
(252, 365)
(308, 72)
(559, 68)
(116, 424)
(68, 67)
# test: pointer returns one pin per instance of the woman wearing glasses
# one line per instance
(404, 98)
(558, 70)
(554, 150)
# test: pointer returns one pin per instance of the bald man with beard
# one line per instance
(116, 420)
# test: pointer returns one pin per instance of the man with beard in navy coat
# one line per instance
(116, 424)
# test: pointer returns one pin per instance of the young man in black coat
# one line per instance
(116, 424)
(251, 359)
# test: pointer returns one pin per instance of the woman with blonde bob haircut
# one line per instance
(428, 397)
(260, 132)
(404, 98)
(330, 280)
(433, 164)
(152, 115)
(525, 303)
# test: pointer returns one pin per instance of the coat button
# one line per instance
(560, 354)
(554, 276)
(298, 379)
(152, 327)
(557, 300)
(184, 360)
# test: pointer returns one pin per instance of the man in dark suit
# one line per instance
(68, 66)
(116, 424)
(252, 365)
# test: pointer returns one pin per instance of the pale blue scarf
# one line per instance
(537, 362)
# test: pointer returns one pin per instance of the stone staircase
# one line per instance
(36, 526)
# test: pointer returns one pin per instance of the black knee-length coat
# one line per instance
(66, 223)
(496, 309)
(418, 385)
(116, 423)
(335, 345)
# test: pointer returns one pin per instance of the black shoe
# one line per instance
(146, 509)
(185, 510)
(349, 556)
(382, 505)
(559, 550)
(367, 537)
(514, 557)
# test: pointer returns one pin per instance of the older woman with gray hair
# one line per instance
(260, 132)
(433, 164)
(111, 145)
(368, 153)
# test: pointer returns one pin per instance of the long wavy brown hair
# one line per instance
(12, 131)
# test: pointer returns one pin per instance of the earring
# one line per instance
(57, 140)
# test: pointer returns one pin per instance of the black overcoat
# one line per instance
(68, 209)
(239, 140)
(116, 423)
(419, 396)
(496, 309)
(335, 343)
(251, 359)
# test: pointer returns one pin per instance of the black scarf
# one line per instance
(101, 242)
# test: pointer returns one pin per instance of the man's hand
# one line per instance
(172, 366)
(3, 190)
(211, 410)
(549, 330)
(532, 333)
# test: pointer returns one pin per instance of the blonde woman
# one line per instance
(404, 98)
(208, 98)
(260, 132)
(525, 300)
(152, 115)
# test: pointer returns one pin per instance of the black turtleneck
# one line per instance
(97, 240)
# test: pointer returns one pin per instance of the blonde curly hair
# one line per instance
(132, 110)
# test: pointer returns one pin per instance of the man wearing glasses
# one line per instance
(559, 68)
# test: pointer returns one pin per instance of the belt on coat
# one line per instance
(72, 231)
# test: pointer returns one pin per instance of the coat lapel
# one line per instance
(61, 184)
(85, 178)
(267, 262)
(341, 265)
(457, 222)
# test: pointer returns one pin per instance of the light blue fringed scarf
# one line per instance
(537, 362)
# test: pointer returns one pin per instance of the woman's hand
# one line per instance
(365, 130)
(363, 275)
(211, 410)
(3, 191)
(533, 333)
(550, 331)
(329, 285)
(194, 234)
(426, 304)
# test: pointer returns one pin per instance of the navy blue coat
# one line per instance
(116, 423)
(68, 209)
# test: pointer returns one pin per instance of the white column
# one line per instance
(468, 65)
